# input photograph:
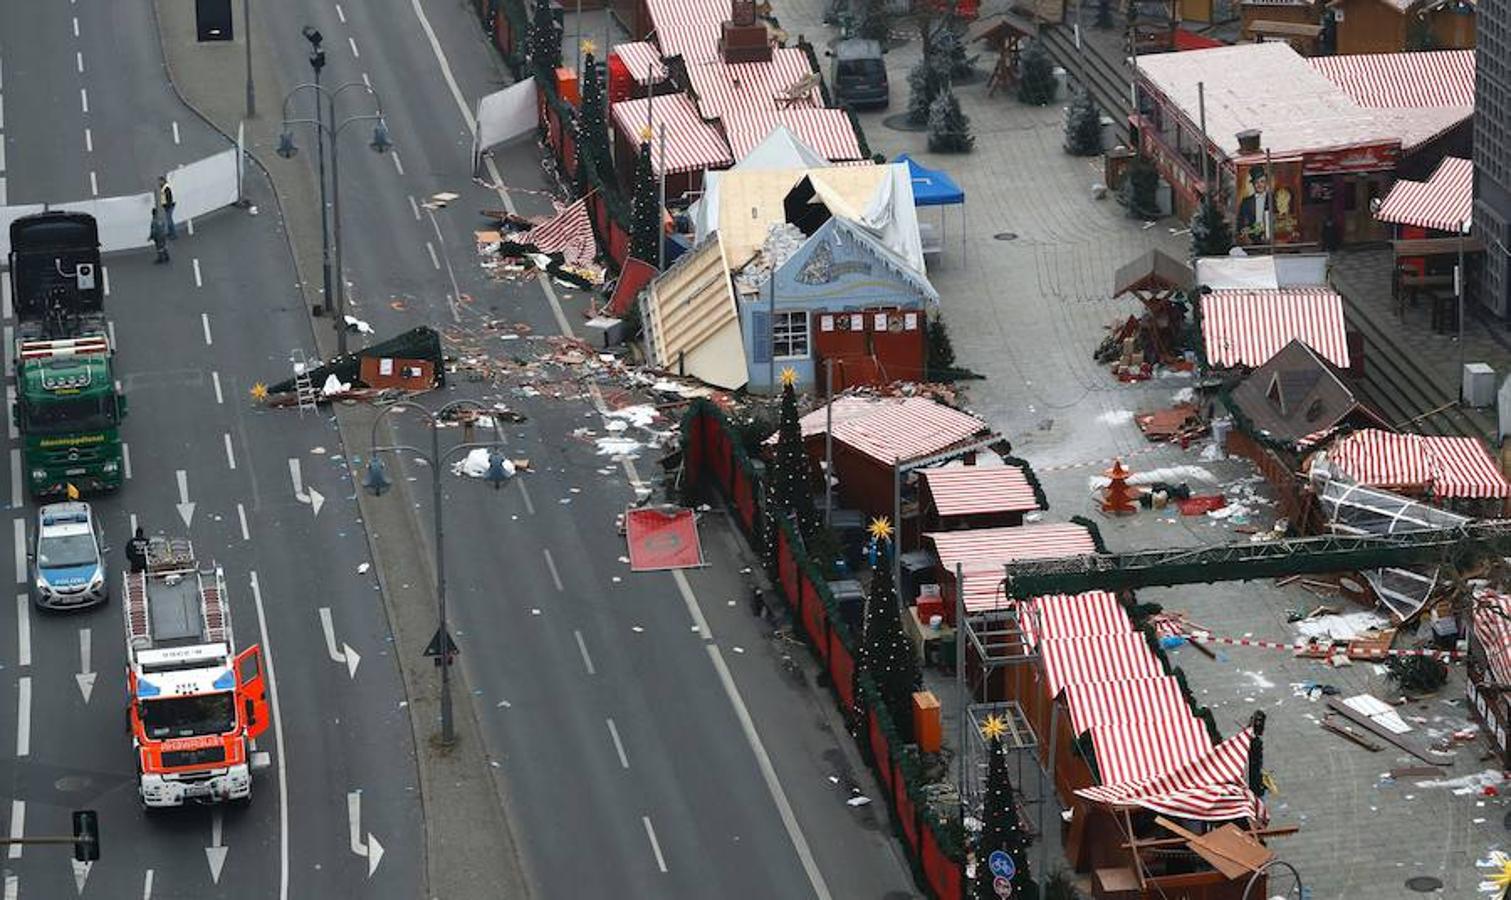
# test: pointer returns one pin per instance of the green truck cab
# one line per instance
(69, 406)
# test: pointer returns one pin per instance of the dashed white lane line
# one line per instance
(84, 99)
(353, 42)
(215, 377)
(524, 492)
(283, 774)
(110, 331)
(13, 886)
(434, 260)
(189, 224)
(367, 81)
(94, 184)
(175, 131)
(17, 827)
(10, 341)
(23, 630)
(230, 453)
(2, 190)
(582, 646)
(241, 514)
(2, 155)
(20, 538)
(10, 403)
(126, 464)
(132, 523)
(396, 164)
(624, 761)
(650, 832)
(340, 14)
(78, 59)
(88, 140)
(199, 280)
(105, 279)
(551, 564)
(2, 111)
(23, 716)
(204, 319)
(16, 500)
(147, 885)
(414, 208)
(75, 26)
(7, 310)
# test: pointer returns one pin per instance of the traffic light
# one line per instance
(86, 835)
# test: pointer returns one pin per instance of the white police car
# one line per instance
(68, 569)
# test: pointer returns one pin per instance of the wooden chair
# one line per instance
(800, 91)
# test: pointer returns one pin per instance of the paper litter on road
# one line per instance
(362, 569)
(475, 464)
(858, 801)
(333, 386)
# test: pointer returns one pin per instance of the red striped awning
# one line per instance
(982, 552)
(1436, 78)
(569, 232)
(1245, 327)
(1462, 467)
(1212, 788)
(724, 87)
(643, 61)
(692, 145)
(1443, 202)
(1097, 657)
(827, 131)
(1059, 616)
(1380, 458)
(1492, 629)
(688, 30)
(913, 429)
(1135, 700)
(1138, 751)
(973, 490)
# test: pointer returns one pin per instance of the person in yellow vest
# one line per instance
(166, 201)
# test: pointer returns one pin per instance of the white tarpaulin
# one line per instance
(204, 186)
(503, 116)
(125, 223)
(1261, 272)
(9, 214)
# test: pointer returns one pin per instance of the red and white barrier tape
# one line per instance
(1340, 648)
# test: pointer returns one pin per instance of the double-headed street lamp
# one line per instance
(326, 113)
(376, 480)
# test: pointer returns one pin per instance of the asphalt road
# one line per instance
(194, 336)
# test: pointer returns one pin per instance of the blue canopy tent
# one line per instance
(935, 187)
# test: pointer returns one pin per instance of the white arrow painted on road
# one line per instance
(185, 508)
(313, 497)
(216, 852)
(372, 849)
(80, 873)
(346, 655)
(85, 678)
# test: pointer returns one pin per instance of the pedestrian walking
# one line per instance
(166, 201)
(159, 236)
(136, 551)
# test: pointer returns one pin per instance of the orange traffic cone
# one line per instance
(1117, 497)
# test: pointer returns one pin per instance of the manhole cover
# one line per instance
(1424, 884)
(901, 122)
(1004, 236)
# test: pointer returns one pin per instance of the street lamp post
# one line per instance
(377, 480)
(246, 38)
(286, 148)
(317, 62)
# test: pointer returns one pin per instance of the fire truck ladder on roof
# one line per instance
(212, 595)
(79, 346)
(304, 389)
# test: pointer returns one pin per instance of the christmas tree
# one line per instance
(949, 128)
(1083, 126)
(1037, 84)
(544, 37)
(1210, 233)
(1001, 829)
(925, 81)
(645, 209)
(592, 127)
(789, 476)
(886, 653)
(873, 20)
(949, 49)
(1139, 188)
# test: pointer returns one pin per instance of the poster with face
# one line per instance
(1269, 203)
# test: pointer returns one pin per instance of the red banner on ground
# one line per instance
(660, 539)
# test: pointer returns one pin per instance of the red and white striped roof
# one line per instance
(723, 87)
(841, 409)
(1133, 700)
(1443, 202)
(692, 144)
(1462, 467)
(913, 429)
(1059, 616)
(1380, 458)
(1245, 327)
(688, 30)
(982, 552)
(1431, 79)
(643, 61)
(1097, 657)
(1213, 788)
(1138, 751)
(569, 232)
(1492, 628)
(827, 131)
(972, 490)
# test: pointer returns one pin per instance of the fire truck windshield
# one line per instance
(73, 414)
(176, 717)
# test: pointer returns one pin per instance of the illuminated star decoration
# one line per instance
(789, 377)
(645, 134)
(994, 728)
(259, 391)
(881, 529)
(1498, 878)
(588, 47)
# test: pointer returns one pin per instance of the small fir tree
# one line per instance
(1083, 126)
(645, 211)
(1210, 233)
(941, 349)
(924, 84)
(949, 50)
(1037, 86)
(1001, 829)
(886, 653)
(949, 128)
(790, 474)
(592, 127)
(544, 37)
(1137, 193)
(873, 20)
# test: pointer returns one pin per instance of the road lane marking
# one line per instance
(551, 564)
(75, 26)
(367, 81)
(84, 99)
(78, 59)
(2, 156)
(525, 493)
(21, 567)
(340, 14)
(434, 260)
(587, 661)
(10, 403)
(283, 775)
(189, 224)
(23, 630)
(230, 453)
(105, 279)
(204, 319)
(147, 885)
(2, 190)
(10, 341)
(23, 716)
(215, 854)
(353, 42)
(693, 609)
(396, 164)
(624, 761)
(199, 280)
(110, 328)
(346, 656)
(215, 377)
(86, 675)
(371, 849)
(16, 499)
(2, 111)
(650, 832)
(133, 523)
(7, 308)
(241, 513)
(94, 184)
(175, 131)
(17, 827)
(125, 459)
(13, 887)
(413, 207)
(88, 141)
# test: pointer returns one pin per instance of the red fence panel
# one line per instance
(786, 566)
(942, 873)
(815, 620)
(907, 816)
(841, 670)
(744, 499)
(692, 446)
(881, 752)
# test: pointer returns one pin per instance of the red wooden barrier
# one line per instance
(842, 671)
(906, 815)
(745, 500)
(943, 874)
(786, 566)
(880, 751)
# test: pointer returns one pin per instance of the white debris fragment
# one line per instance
(334, 386)
(1116, 417)
(362, 569)
(475, 464)
(861, 800)
(361, 326)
